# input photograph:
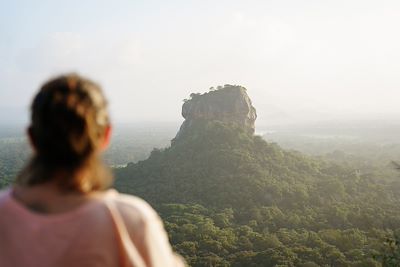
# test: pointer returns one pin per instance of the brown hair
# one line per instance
(69, 119)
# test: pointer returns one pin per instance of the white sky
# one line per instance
(309, 58)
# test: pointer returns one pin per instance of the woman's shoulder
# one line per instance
(4, 195)
(132, 208)
(145, 229)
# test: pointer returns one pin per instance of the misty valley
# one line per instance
(231, 193)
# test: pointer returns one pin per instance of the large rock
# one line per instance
(229, 104)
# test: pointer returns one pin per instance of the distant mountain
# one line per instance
(215, 159)
(217, 164)
(229, 104)
(229, 198)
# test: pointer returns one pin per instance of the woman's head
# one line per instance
(69, 126)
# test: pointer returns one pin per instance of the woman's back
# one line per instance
(89, 235)
(59, 212)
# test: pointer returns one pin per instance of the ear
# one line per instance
(106, 138)
(31, 139)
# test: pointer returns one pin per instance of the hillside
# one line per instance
(229, 198)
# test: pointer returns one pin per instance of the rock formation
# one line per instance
(229, 104)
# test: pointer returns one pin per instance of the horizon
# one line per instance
(300, 62)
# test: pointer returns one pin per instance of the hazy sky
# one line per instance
(296, 58)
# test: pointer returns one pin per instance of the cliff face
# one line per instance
(229, 104)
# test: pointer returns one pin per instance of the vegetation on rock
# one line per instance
(229, 198)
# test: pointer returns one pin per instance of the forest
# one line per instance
(230, 198)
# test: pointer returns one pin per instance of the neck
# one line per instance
(47, 198)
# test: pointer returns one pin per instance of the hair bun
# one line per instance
(69, 116)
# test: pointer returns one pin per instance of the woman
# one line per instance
(59, 212)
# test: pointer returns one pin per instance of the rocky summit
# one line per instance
(228, 104)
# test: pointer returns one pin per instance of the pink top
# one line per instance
(113, 230)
